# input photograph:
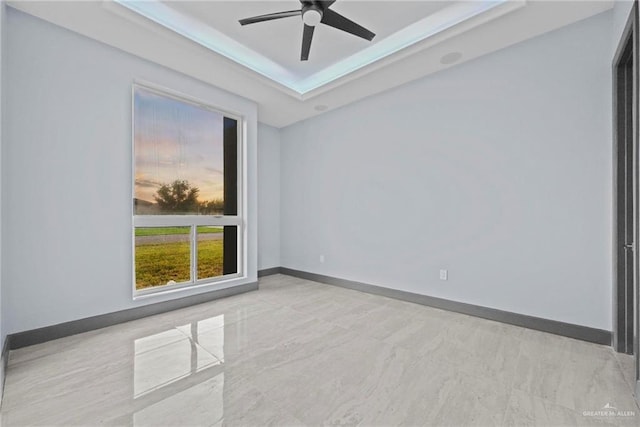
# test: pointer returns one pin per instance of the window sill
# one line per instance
(181, 288)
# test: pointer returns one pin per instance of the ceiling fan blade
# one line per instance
(307, 36)
(270, 17)
(335, 20)
(325, 3)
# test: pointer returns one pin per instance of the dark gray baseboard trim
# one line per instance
(48, 333)
(269, 271)
(584, 333)
(5, 364)
(5, 354)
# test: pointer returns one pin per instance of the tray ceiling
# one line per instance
(203, 39)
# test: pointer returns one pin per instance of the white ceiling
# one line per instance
(214, 25)
(278, 42)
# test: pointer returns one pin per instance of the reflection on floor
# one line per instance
(303, 353)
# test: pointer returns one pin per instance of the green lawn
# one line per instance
(157, 264)
(163, 231)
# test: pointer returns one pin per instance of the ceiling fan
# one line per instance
(314, 13)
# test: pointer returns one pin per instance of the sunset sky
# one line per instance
(176, 140)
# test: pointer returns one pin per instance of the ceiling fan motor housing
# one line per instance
(311, 13)
(315, 12)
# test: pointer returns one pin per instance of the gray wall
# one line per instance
(268, 197)
(621, 10)
(498, 170)
(66, 173)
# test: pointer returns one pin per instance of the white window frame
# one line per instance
(193, 221)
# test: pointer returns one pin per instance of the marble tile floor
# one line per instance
(302, 353)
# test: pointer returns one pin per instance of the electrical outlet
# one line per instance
(322, 259)
(444, 274)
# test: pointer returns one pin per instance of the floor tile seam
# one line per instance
(621, 368)
(364, 333)
(149, 397)
(200, 333)
(585, 357)
(415, 305)
(302, 357)
(423, 316)
(31, 385)
(367, 306)
(289, 338)
(310, 315)
(331, 300)
(304, 316)
(574, 342)
(595, 362)
(101, 372)
(13, 361)
(77, 345)
(484, 376)
(266, 300)
(39, 361)
(507, 407)
(228, 323)
(184, 337)
(418, 354)
(222, 310)
(170, 381)
(356, 292)
(200, 347)
(630, 386)
(515, 367)
(64, 418)
(393, 311)
(257, 355)
(290, 298)
(416, 358)
(291, 306)
(229, 302)
(110, 368)
(349, 326)
(475, 375)
(560, 354)
(25, 381)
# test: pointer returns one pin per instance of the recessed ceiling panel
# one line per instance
(272, 48)
(459, 32)
(280, 40)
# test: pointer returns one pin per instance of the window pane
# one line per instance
(163, 256)
(180, 156)
(214, 252)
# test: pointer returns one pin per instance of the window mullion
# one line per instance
(185, 220)
(194, 253)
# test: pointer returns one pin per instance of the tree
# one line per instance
(177, 197)
(212, 207)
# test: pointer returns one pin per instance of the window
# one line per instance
(187, 223)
